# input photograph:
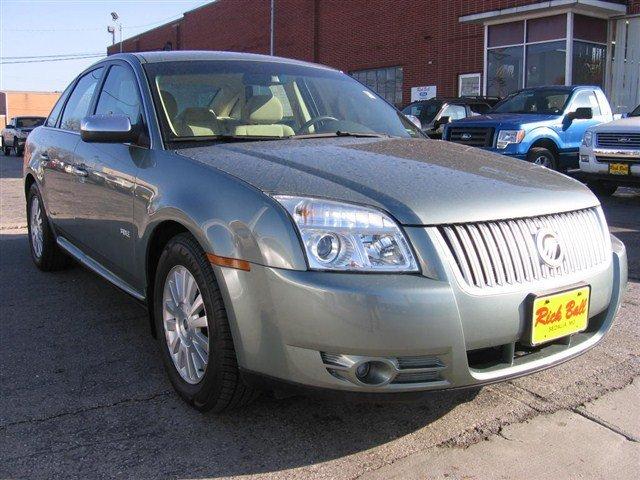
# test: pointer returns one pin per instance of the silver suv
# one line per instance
(610, 154)
(289, 229)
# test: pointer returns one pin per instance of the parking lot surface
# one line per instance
(83, 393)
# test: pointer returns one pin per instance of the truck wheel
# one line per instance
(544, 157)
(603, 189)
(42, 243)
(193, 331)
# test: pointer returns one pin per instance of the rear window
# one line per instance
(29, 122)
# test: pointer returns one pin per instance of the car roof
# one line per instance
(199, 55)
(461, 100)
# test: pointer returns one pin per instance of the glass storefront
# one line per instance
(533, 52)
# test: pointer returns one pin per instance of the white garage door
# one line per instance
(625, 66)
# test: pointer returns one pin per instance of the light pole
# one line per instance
(271, 35)
(112, 31)
(115, 17)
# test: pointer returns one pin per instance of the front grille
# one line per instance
(603, 159)
(502, 253)
(472, 136)
(618, 140)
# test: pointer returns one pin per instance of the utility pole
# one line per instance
(272, 37)
(115, 17)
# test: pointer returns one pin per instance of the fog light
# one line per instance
(584, 158)
(363, 370)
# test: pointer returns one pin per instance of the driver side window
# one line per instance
(120, 95)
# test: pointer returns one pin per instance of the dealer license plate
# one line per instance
(619, 168)
(559, 314)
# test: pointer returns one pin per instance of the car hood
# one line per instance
(507, 119)
(419, 181)
(631, 124)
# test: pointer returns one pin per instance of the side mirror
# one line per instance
(415, 120)
(11, 125)
(441, 121)
(582, 113)
(107, 129)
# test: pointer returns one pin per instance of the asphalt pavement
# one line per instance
(83, 393)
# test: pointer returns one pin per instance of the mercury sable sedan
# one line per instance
(289, 229)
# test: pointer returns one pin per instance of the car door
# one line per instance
(574, 130)
(59, 139)
(104, 200)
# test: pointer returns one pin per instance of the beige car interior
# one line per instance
(234, 109)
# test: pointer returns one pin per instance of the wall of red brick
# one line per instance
(423, 36)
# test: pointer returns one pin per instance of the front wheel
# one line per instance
(543, 157)
(193, 331)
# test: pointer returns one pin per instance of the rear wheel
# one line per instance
(602, 188)
(44, 250)
(6, 149)
(193, 331)
(543, 157)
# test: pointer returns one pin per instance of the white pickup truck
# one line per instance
(610, 154)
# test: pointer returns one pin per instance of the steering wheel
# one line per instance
(313, 121)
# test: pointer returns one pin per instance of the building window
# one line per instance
(386, 82)
(546, 63)
(526, 53)
(504, 70)
(533, 52)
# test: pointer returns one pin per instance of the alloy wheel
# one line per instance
(185, 324)
(543, 160)
(35, 222)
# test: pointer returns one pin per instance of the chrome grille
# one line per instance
(618, 140)
(502, 253)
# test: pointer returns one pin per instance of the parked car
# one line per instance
(15, 133)
(435, 113)
(610, 154)
(289, 229)
(543, 125)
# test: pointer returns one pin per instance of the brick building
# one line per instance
(16, 104)
(408, 49)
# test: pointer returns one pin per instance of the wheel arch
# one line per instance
(548, 143)
(29, 180)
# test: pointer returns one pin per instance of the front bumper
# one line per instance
(283, 320)
(593, 169)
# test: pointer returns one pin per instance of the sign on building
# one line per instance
(423, 93)
(469, 85)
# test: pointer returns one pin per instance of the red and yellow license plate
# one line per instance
(619, 168)
(559, 314)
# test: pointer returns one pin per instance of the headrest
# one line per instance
(198, 115)
(170, 103)
(264, 109)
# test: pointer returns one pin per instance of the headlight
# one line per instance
(587, 140)
(344, 237)
(505, 137)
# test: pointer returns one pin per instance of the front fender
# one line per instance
(540, 133)
(227, 216)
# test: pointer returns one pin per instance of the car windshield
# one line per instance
(29, 122)
(635, 113)
(425, 111)
(547, 101)
(264, 100)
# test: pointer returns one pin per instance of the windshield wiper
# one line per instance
(226, 138)
(340, 133)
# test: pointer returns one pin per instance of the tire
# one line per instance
(216, 385)
(603, 189)
(5, 148)
(43, 247)
(544, 157)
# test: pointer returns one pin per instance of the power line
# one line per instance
(83, 54)
(89, 29)
(51, 59)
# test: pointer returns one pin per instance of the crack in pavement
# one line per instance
(86, 409)
(600, 421)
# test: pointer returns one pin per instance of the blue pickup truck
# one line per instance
(543, 125)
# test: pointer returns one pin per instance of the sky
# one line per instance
(30, 28)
